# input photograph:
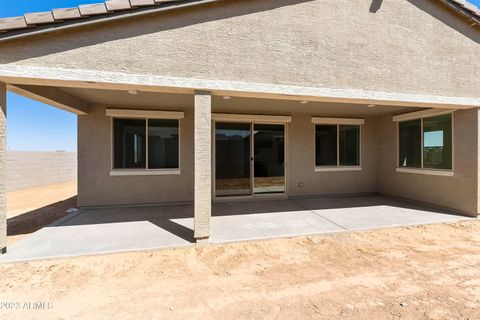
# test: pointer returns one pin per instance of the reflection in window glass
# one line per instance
(129, 135)
(326, 145)
(349, 145)
(437, 142)
(410, 142)
(232, 159)
(162, 144)
(269, 155)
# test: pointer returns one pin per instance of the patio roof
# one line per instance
(41, 22)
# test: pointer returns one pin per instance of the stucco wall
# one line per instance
(301, 162)
(409, 46)
(33, 169)
(97, 187)
(457, 192)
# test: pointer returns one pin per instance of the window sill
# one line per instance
(433, 172)
(161, 172)
(332, 169)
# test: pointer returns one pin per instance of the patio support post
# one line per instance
(203, 165)
(3, 168)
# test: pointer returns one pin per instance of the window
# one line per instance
(130, 146)
(337, 145)
(162, 144)
(349, 142)
(426, 142)
(437, 142)
(146, 143)
(410, 143)
(326, 145)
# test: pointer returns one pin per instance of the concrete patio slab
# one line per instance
(238, 221)
(370, 212)
(105, 231)
(110, 230)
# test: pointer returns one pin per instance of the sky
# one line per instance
(34, 126)
(31, 125)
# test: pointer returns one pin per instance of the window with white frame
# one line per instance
(337, 144)
(149, 142)
(426, 142)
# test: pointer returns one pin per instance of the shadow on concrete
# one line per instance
(162, 216)
(39, 218)
(168, 217)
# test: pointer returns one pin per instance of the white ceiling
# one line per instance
(169, 101)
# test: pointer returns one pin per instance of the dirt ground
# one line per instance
(427, 272)
(31, 209)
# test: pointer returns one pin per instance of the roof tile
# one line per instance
(66, 13)
(113, 5)
(92, 9)
(12, 23)
(141, 3)
(39, 17)
(82, 12)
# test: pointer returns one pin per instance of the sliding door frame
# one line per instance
(249, 120)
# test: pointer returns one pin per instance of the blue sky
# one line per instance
(31, 125)
(34, 126)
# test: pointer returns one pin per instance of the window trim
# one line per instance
(424, 114)
(150, 114)
(338, 122)
(147, 114)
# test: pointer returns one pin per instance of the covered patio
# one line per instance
(113, 230)
(176, 196)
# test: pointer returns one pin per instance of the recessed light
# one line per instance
(133, 92)
(371, 105)
(227, 98)
(304, 102)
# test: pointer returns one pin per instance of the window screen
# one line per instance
(410, 142)
(349, 145)
(129, 143)
(162, 144)
(326, 145)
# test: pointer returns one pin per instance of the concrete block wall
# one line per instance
(33, 169)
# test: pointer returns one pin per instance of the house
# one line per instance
(201, 100)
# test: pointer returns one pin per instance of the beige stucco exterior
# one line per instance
(202, 147)
(409, 47)
(98, 188)
(414, 46)
(458, 192)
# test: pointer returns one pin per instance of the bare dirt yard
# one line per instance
(426, 272)
(31, 209)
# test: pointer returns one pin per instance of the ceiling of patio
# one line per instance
(170, 101)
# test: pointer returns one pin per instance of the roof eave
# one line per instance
(473, 18)
(22, 33)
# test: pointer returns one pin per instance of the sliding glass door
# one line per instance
(269, 158)
(232, 159)
(249, 159)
